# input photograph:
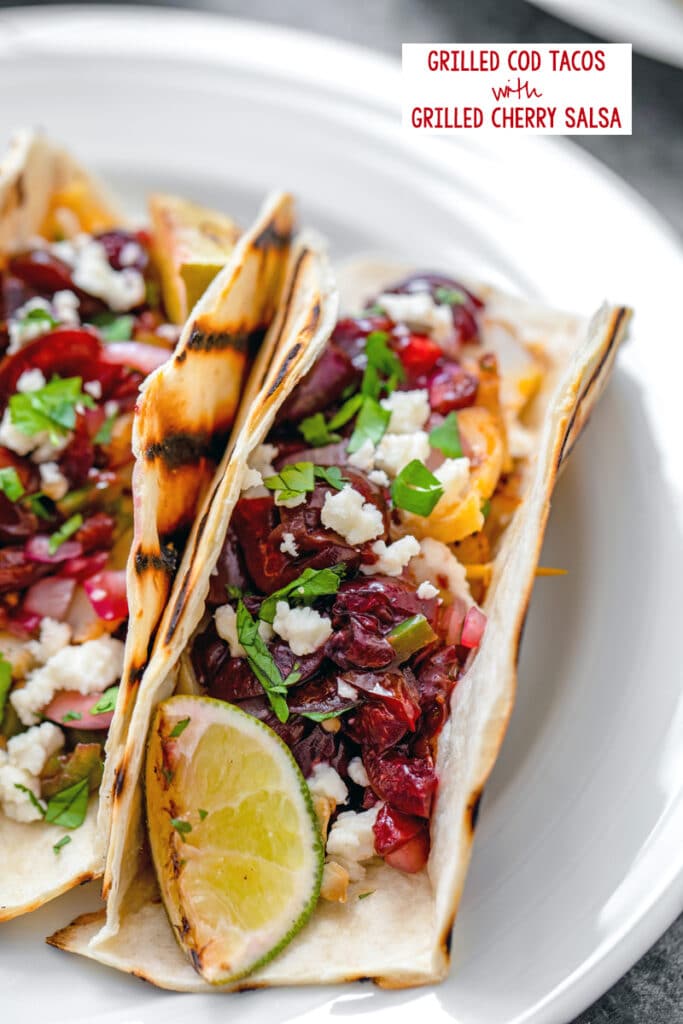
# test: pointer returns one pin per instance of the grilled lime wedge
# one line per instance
(234, 837)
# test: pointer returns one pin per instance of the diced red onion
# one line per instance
(50, 597)
(71, 700)
(453, 617)
(38, 550)
(107, 593)
(84, 566)
(473, 627)
(135, 354)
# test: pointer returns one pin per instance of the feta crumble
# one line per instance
(94, 388)
(252, 478)
(91, 271)
(378, 476)
(261, 459)
(296, 499)
(53, 636)
(31, 380)
(454, 474)
(21, 330)
(364, 458)
(351, 837)
(395, 451)
(31, 749)
(65, 305)
(392, 558)
(22, 764)
(53, 482)
(304, 629)
(437, 562)
(130, 254)
(38, 445)
(427, 590)
(357, 772)
(348, 514)
(17, 804)
(419, 311)
(326, 782)
(409, 410)
(85, 668)
(288, 545)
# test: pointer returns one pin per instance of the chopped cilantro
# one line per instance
(331, 475)
(416, 489)
(364, 895)
(262, 664)
(103, 435)
(72, 716)
(316, 432)
(179, 728)
(384, 369)
(113, 327)
(347, 411)
(446, 437)
(182, 827)
(292, 480)
(106, 703)
(5, 684)
(234, 593)
(65, 531)
(32, 797)
(304, 589)
(64, 841)
(371, 425)
(68, 808)
(10, 484)
(202, 813)
(323, 716)
(485, 508)
(51, 408)
(450, 296)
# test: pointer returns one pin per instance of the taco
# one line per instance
(84, 324)
(412, 468)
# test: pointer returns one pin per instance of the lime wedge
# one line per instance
(234, 837)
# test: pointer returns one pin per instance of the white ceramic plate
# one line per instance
(655, 27)
(578, 864)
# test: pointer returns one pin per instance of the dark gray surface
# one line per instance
(651, 161)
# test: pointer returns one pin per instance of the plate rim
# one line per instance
(614, 956)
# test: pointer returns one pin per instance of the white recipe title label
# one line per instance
(548, 89)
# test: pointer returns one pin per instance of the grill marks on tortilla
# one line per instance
(217, 341)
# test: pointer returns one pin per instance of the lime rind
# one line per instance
(208, 710)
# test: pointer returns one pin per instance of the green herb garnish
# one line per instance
(371, 425)
(449, 296)
(384, 369)
(32, 797)
(179, 728)
(182, 827)
(65, 531)
(35, 503)
(113, 327)
(446, 437)
(72, 716)
(40, 316)
(106, 703)
(331, 475)
(202, 814)
(234, 593)
(485, 508)
(103, 435)
(68, 808)
(347, 411)
(304, 589)
(262, 664)
(10, 484)
(416, 489)
(316, 432)
(292, 480)
(64, 841)
(5, 684)
(364, 895)
(323, 716)
(51, 408)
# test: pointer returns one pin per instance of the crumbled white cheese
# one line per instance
(288, 545)
(21, 330)
(94, 388)
(364, 458)
(86, 668)
(357, 772)
(296, 499)
(39, 445)
(348, 514)
(262, 459)
(53, 636)
(129, 254)
(226, 627)
(427, 590)
(378, 476)
(436, 562)
(53, 482)
(304, 629)
(395, 451)
(454, 474)
(169, 332)
(31, 380)
(345, 690)
(351, 837)
(65, 306)
(394, 558)
(328, 783)
(16, 803)
(409, 410)
(91, 271)
(252, 478)
(30, 750)
(45, 450)
(419, 311)
(111, 408)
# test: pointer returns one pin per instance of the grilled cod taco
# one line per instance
(106, 332)
(347, 619)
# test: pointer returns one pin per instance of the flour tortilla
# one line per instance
(400, 935)
(195, 396)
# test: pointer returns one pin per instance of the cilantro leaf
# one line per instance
(32, 797)
(331, 475)
(304, 589)
(181, 826)
(262, 664)
(106, 703)
(316, 432)
(347, 411)
(113, 327)
(65, 531)
(40, 316)
(292, 480)
(179, 728)
(323, 716)
(68, 808)
(202, 814)
(233, 592)
(64, 841)
(10, 484)
(103, 435)
(50, 409)
(72, 716)
(371, 425)
(446, 437)
(364, 895)
(416, 489)
(450, 296)
(384, 369)
(5, 684)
